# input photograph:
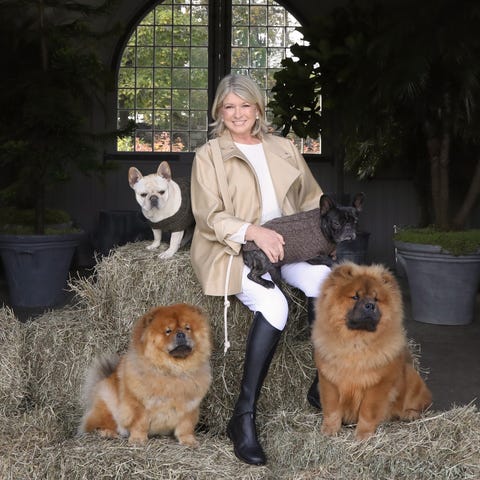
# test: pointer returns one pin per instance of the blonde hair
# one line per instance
(245, 88)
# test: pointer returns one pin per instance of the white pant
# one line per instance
(271, 302)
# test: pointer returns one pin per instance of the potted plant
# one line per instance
(443, 269)
(400, 85)
(46, 91)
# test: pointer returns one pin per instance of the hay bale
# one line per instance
(436, 447)
(13, 381)
(32, 428)
(94, 458)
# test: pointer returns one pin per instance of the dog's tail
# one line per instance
(101, 368)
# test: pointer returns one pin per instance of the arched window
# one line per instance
(177, 53)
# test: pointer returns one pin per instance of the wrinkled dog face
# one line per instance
(339, 223)
(151, 191)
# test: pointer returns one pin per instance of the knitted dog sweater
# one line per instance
(183, 218)
(303, 236)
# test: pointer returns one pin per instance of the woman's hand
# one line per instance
(269, 241)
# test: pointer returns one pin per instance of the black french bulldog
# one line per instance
(309, 236)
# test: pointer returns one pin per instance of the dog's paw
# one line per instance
(410, 414)
(189, 441)
(107, 433)
(169, 253)
(261, 281)
(331, 425)
(362, 435)
(137, 438)
(153, 246)
(329, 431)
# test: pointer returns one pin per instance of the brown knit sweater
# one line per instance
(302, 234)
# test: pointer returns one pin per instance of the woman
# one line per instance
(240, 179)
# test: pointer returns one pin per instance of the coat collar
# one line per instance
(279, 160)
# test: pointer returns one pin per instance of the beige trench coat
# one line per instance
(217, 218)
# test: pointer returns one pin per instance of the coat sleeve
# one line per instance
(213, 220)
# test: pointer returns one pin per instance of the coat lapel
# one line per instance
(279, 163)
(281, 169)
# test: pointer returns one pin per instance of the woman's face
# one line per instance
(238, 116)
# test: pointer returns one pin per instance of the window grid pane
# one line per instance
(262, 32)
(163, 79)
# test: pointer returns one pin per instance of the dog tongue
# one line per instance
(181, 351)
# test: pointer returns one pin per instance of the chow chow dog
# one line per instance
(366, 373)
(156, 387)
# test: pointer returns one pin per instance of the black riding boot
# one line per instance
(261, 344)
(313, 395)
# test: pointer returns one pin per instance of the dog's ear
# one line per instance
(140, 326)
(344, 270)
(358, 201)
(387, 276)
(134, 175)
(326, 204)
(164, 170)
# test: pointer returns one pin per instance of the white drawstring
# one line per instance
(226, 304)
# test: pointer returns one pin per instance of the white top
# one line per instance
(270, 207)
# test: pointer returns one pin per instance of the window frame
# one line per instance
(219, 57)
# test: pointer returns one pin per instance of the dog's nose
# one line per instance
(181, 337)
(154, 200)
(369, 307)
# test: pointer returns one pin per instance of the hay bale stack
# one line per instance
(91, 457)
(439, 446)
(43, 364)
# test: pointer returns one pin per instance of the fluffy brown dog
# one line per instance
(366, 374)
(156, 387)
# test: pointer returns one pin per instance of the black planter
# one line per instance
(443, 287)
(37, 266)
